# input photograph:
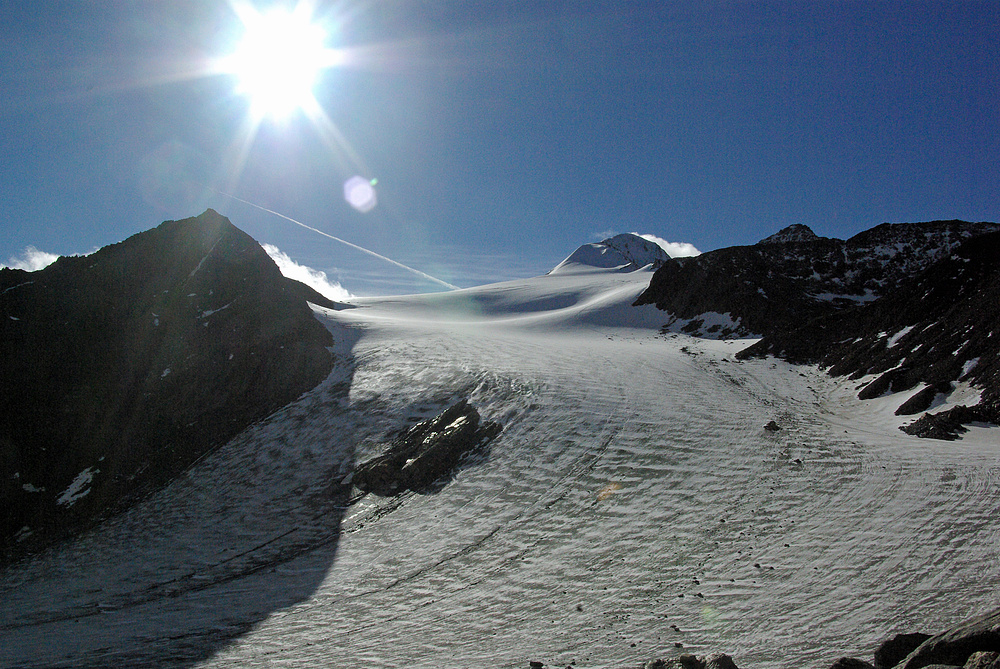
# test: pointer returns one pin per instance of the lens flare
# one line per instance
(360, 193)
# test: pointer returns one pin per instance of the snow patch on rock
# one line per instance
(79, 488)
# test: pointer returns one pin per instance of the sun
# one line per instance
(278, 61)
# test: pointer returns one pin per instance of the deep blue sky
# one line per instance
(503, 137)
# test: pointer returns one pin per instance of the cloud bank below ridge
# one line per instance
(315, 279)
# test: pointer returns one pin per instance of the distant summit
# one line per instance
(793, 233)
(121, 368)
(623, 253)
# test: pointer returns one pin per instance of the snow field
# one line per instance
(632, 502)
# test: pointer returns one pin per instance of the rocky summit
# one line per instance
(121, 368)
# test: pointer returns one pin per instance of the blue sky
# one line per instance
(501, 137)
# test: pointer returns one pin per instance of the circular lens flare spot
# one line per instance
(360, 193)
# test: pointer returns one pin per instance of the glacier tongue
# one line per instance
(632, 502)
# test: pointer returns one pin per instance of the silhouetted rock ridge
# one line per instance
(120, 369)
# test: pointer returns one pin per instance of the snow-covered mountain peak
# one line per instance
(624, 253)
(793, 233)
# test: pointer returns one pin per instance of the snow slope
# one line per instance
(626, 252)
(633, 501)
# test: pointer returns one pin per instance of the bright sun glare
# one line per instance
(278, 61)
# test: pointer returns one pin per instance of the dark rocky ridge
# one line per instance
(910, 303)
(939, 328)
(795, 276)
(131, 363)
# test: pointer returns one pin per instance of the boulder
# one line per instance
(983, 660)
(893, 651)
(719, 661)
(956, 646)
(426, 453)
(851, 663)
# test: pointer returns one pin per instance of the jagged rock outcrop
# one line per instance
(939, 329)
(426, 452)
(121, 368)
(795, 276)
(793, 233)
(955, 646)
(972, 644)
(688, 661)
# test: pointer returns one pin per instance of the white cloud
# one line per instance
(673, 249)
(31, 259)
(314, 278)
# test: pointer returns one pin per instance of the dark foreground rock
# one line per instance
(894, 650)
(426, 452)
(120, 369)
(851, 663)
(957, 645)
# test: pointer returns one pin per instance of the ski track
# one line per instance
(633, 489)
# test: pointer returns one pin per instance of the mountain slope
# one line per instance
(939, 330)
(794, 276)
(121, 368)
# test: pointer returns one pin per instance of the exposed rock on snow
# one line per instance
(84, 367)
(687, 661)
(894, 650)
(426, 452)
(945, 326)
(973, 643)
(794, 276)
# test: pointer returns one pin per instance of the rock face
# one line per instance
(935, 330)
(121, 368)
(956, 646)
(913, 305)
(894, 650)
(795, 276)
(426, 452)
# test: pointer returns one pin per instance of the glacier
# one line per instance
(633, 506)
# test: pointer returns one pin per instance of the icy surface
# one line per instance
(633, 489)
